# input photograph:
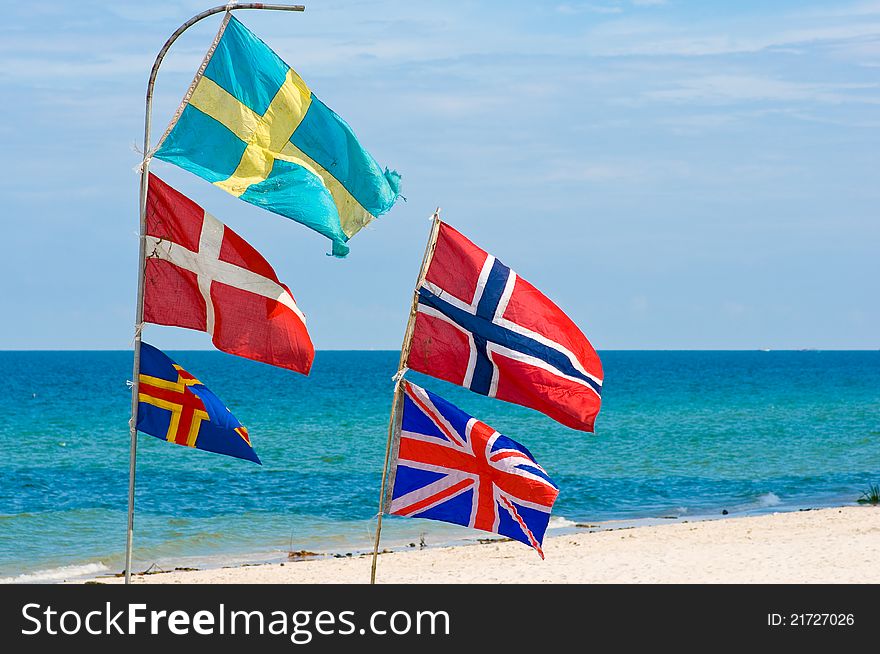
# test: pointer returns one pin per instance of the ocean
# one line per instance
(681, 435)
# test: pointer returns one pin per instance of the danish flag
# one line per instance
(451, 467)
(201, 275)
(482, 326)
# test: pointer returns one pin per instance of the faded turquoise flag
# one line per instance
(251, 126)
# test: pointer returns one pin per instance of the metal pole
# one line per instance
(401, 368)
(394, 404)
(423, 271)
(139, 310)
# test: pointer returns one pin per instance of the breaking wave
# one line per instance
(558, 522)
(769, 499)
(50, 575)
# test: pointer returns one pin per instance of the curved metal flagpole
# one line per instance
(398, 380)
(139, 311)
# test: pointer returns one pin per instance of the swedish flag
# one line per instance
(251, 126)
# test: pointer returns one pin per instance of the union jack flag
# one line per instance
(481, 326)
(451, 467)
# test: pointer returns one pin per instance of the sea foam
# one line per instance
(56, 574)
(558, 522)
(769, 499)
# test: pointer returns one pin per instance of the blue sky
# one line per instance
(674, 174)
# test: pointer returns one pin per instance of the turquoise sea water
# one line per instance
(680, 434)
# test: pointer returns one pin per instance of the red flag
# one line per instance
(202, 275)
(482, 326)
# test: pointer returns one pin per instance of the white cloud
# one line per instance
(579, 8)
(646, 39)
(723, 89)
(447, 105)
(573, 8)
(622, 170)
(838, 10)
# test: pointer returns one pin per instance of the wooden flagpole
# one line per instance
(139, 310)
(398, 379)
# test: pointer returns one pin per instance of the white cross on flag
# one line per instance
(201, 275)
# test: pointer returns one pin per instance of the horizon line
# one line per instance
(702, 349)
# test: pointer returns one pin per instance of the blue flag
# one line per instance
(251, 126)
(176, 407)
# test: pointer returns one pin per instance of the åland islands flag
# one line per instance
(249, 125)
(176, 407)
(451, 467)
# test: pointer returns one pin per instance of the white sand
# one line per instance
(840, 545)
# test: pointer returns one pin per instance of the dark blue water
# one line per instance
(680, 433)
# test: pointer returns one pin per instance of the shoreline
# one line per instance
(826, 545)
(464, 537)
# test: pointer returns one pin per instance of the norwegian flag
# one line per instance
(451, 467)
(202, 275)
(482, 326)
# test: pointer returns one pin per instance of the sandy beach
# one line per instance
(836, 545)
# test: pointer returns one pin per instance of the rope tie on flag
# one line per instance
(399, 375)
(145, 158)
(138, 329)
(139, 169)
